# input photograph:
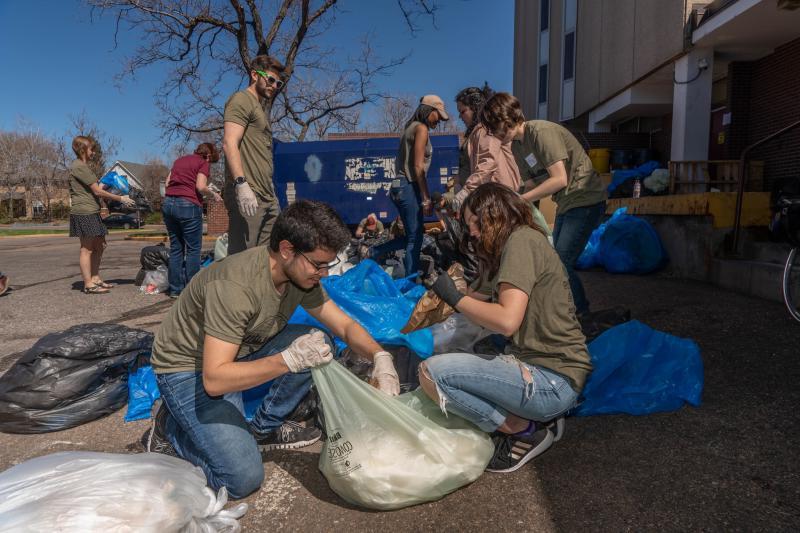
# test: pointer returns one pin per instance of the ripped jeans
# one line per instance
(485, 389)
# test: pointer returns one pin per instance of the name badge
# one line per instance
(530, 160)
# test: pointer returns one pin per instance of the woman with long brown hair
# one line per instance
(546, 363)
(186, 184)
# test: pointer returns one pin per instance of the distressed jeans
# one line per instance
(571, 232)
(485, 389)
(211, 431)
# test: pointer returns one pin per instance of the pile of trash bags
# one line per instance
(625, 244)
(102, 492)
(654, 180)
(72, 377)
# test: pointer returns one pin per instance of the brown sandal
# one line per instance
(95, 289)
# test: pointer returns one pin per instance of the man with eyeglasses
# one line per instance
(247, 142)
(228, 333)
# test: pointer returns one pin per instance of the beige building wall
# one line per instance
(617, 43)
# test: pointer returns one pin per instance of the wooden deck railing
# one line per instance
(704, 176)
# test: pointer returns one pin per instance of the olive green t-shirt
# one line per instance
(233, 300)
(550, 335)
(256, 145)
(545, 143)
(83, 201)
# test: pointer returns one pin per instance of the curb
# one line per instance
(162, 238)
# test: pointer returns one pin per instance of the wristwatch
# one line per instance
(239, 180)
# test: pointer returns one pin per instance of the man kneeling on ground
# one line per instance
(228, 332)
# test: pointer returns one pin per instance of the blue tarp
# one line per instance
(625, 244)
(638, 370)
(619, 177)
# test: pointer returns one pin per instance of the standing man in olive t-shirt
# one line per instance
(549, 150)
(228, 332)
(247, 142)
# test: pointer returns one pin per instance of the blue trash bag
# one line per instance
(380, 304)
(639, 370)
(115, 183)
(142, 392)
(625, 244)
(618, 177)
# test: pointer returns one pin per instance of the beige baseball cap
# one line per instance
(436, 103)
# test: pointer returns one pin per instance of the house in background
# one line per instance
(692, 84)
(135, 172)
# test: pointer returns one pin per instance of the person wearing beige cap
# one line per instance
(409, 190)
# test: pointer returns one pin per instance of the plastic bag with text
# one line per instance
(93, 491)
(385, 452)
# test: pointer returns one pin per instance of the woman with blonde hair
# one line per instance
(84, 215)
(182, 210)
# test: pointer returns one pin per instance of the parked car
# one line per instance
(123, 221)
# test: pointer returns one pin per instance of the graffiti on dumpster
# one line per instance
(368, 175)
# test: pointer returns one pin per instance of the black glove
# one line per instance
(445, 288)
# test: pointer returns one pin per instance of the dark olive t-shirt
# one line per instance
(256, 145)
(545, 143)
(233, 300)
(550, 335)
(83, 201)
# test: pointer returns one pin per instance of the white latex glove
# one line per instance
(127, 201)
(384, 374)
(307, 351)
(246, 199)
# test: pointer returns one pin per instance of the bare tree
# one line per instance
(106, 145)
(209, 41)
(155, 172)
(394, 113)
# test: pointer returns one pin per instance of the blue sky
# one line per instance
(56, 62)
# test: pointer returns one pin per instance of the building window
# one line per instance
(569, 56)
(542, 84)
(544, 15)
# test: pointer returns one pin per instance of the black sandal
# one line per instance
(95, 289)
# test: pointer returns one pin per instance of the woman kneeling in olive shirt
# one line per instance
(546, 363)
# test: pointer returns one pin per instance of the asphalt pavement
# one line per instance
(728, 465)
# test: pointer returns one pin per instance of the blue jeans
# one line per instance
(485, 389)
(211, 431)
(570, 235)
(408, 201)
(184, 221)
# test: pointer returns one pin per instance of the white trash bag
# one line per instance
(155, 281)
(385, 452)
(457, 334)
(108, 492)
(221, 247)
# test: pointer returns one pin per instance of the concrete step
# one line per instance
(762, 279)
(768, 252)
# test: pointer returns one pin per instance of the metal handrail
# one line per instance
(737, 221)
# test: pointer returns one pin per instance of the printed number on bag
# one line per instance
(340, 453)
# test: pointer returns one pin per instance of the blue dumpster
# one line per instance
(354, 175)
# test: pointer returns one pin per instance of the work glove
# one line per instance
(384, 376)
(246, 200)
(127, 201)
(444, 287)
(307, 351)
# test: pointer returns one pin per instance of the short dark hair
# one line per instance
(265, 62)
(501, 113)
(309, 225)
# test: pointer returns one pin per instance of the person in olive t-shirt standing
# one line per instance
(549, 150)
(546, 363)
(247, 142)
(84, 214)
(227, 332)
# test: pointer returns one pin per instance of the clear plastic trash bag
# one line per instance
(155, 281)
(385, 452)
(107, 492)
(456, 334)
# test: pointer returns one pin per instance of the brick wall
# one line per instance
(763, 97)
(217, 218)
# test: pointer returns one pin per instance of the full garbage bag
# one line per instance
(385, 452)
(93, 491)
(155, 281)
(70, 378)
(115, 183)
(639, 370)
(142, 393)
(380, 304)
(625, 244)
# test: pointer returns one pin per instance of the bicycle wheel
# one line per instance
(791, 276)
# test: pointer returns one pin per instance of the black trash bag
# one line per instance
(449, 244)
(152, 257)
(142, 203)
(70, 378)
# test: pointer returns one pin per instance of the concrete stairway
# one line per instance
(758, 273)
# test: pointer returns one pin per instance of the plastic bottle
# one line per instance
(637, 188)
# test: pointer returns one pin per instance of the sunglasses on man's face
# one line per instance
(272, 80)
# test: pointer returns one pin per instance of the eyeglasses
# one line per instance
(320, 266)
(272, 80)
